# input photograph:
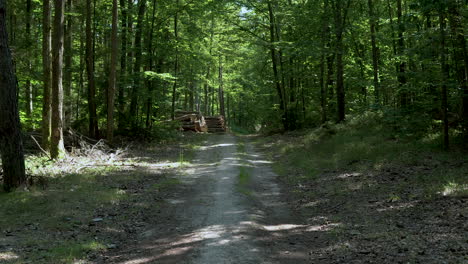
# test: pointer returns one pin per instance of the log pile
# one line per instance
(191, 121)
(216, 124)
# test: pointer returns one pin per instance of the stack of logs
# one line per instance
(215, 124)
(191, 121)
(195, 121)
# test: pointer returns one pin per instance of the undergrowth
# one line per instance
(373, 143)
(44, 223)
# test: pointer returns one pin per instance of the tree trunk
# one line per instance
(402, 65)
(136, 69)
(123, 67)
(206, 88)
(176, 64)
(461, 56)
(222, 110)
(57, 149)
(28, 88)
(276, 77)
(93, 124)
(11, 146)
(445, 77)
(340, 20)
(375, 53)
(113, 74)
(68, 55)
(46, 65)
(149, 103)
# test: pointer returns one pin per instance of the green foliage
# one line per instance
(364, 145)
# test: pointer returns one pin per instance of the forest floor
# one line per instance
(308, 197)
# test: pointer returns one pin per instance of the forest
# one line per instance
(330, 107)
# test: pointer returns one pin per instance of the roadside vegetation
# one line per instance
(89, 202)
(388, 193)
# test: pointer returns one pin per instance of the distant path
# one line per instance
(228, 209)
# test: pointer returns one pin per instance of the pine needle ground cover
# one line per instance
(395, 197)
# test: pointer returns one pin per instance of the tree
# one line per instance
(113, 73)
(375, 52)
(340, 13)
(93, 122)
(46, 74)
(57, 149)
(137, 70)
(11, 145)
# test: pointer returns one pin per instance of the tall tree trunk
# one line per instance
(375, 53)
(28, 88)
(136, 69)
(93, 124)
(445, 77)
(149, 103)
(123, 67)
(276, 77)
(176, 64)
(46, 65)
(340, 20)
(206, 88)
(222, 110)
(402, 65)
(113, 74)
(57, 149)
(68, 55)
(11, 146)
(461, 57)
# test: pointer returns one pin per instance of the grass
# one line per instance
(244, 177)
(388, 188)
(244, 181)
(365, 144)
(51, 222)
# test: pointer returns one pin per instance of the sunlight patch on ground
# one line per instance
(216, 146)
(454, 188)
(166, 165)
(4, 256)
(348, 175)
(282, 227)
(260, 162)
(175, 201)
(397, 207)
(326, 227)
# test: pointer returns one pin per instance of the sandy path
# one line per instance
(217, 217)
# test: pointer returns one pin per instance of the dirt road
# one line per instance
(227, 209)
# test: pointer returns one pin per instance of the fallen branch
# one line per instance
(43, 151)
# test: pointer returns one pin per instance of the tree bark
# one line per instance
(28, 87)
(461, 57)
(445, 77)
(123, 65)
(176, 64)
(113, 73)
(402, 65)
(149, 103)
(276, 77)
(46, 75)
(57, 149)
(222, 110)
(340, 20)
(136, 69)
(93, 124)
(375, 53)
(68, 55)
(11, 146)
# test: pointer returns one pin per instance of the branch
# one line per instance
(43, 151)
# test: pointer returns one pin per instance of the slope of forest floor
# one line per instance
(389, 197)
(86, 204)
